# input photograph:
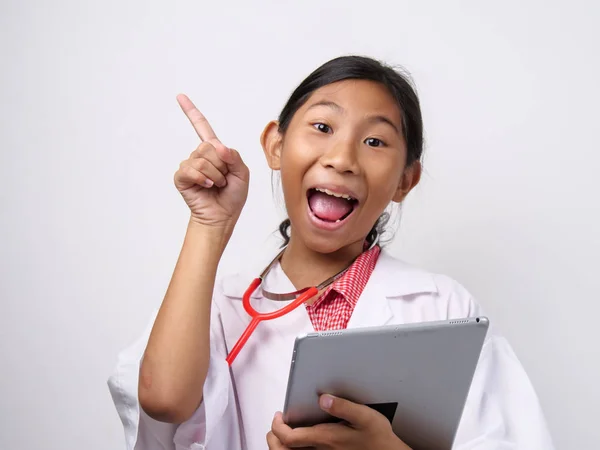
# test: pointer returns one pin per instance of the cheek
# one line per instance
(292, 169)
(384, 175)
(297, 155)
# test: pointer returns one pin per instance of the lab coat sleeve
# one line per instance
(214, 425)
(502, 411)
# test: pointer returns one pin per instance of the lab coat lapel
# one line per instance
(391, 279)
(373, 307)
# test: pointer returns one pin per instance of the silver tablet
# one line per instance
(417, 375)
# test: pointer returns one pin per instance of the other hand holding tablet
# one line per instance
(361, 427)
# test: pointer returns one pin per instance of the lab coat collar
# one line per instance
(391, 278)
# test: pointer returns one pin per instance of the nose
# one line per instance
(342, 157)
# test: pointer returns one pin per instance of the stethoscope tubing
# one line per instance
(259, 317)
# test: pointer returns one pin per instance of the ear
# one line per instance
(272, 142)
(410, 178)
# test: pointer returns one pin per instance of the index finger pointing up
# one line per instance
(197, 119)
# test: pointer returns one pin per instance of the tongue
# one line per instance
(328, 207)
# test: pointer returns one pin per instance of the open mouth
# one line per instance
(329, 206)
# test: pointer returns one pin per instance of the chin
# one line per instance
(326, 244)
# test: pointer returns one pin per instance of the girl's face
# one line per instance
(342, 161)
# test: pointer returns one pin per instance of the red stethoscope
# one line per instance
(299, 297)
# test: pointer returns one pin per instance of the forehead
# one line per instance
(362, 97)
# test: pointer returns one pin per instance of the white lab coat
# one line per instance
(502, 411)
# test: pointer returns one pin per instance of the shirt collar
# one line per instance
(359, 268)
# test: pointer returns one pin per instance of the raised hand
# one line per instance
(213, 181)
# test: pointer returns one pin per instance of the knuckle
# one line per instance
(217, 144)
(182, 172)
(371, 421)
(272, 441)
(287, 441)
(328, 435)
(332, 439)
(203, 164)
(205, 147)
(190, 173)
(197, 117)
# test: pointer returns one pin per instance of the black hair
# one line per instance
(362, 68)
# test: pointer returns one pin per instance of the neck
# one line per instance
(306, 267)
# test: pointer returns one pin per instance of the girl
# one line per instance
(347, 143)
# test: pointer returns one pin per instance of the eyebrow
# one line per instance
(371, 119)
(328, 103)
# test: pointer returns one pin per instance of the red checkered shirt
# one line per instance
(332, 310)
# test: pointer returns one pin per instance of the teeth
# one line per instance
(335, 194)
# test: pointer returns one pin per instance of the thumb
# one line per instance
(235, 164)
(354, 413)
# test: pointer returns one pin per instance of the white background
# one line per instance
(91, 135)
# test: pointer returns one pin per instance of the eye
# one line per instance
(322, 127)
(374, 142)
